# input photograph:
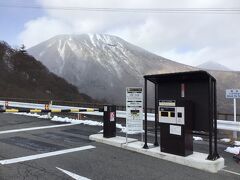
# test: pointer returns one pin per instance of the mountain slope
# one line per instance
(211, 65)
(101, 65)
(22, 76)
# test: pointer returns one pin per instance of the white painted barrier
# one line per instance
(221, 124)
(228, 125)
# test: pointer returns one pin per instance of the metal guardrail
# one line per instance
(47, 110)
(222, 124)
(220, 115)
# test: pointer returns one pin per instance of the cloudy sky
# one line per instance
(189, 38)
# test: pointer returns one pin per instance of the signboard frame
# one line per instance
(134, 111)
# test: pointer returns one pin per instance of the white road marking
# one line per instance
(34, 128)
(73, 175)
(232, 172)
(43, 155)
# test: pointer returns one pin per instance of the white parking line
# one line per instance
(232, 172)
(43, 155)
(73, 175)
(34, 128)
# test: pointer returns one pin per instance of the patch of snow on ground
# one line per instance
(85, 122)
(233, 150)
(28, 114)
(226, 140)
(75, 121)
(197, 138)
(44, 116)
(237, 143)
(33, 115)
(119, 126)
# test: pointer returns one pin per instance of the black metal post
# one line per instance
(156, 114)
(215, 154)
(145, 111)
(210, 118)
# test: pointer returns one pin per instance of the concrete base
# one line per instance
(196, 160)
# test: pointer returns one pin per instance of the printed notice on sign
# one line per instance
(176, 130)
(134, 110)
(232, 93)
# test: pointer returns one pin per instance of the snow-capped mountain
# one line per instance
(101, 66)
(212, 65)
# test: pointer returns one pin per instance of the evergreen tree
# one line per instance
(23, 49)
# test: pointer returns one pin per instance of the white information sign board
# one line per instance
(134, 110)
(232, 93)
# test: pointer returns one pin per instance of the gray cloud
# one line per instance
(189, 38)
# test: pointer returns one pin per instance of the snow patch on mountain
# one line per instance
(61, 48)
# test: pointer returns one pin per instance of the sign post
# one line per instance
(235, 116)
(134, 111)
(233, 94)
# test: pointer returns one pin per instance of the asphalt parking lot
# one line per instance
(65, 152)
